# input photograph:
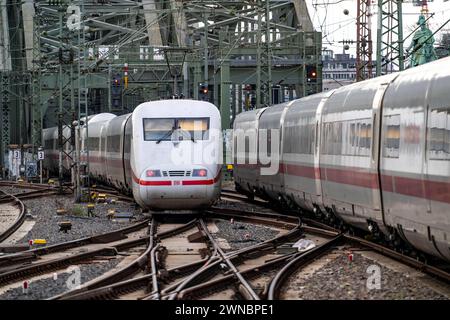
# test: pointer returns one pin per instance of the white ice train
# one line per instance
(375, 154)
(166, 153)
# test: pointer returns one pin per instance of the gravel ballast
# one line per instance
(241, 235)
(340, 279)
(48, 287)
(47, 221)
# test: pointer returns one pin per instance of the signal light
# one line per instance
(204, 89)
(311, 73)
(153, 173)
(200, 173)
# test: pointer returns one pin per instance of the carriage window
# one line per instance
(392, 137)
(349, 138)
(113, 143)
(438, 144)
(184, 128)
(94, 143)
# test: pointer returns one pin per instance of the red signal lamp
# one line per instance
(153, 173)
(200, 173)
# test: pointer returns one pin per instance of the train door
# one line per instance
(436, 168)
(317, 135)
(103, 155)
(126, 153)
(377, 203)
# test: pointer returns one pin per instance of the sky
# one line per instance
(328, 16)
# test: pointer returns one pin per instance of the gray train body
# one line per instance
(376, 154)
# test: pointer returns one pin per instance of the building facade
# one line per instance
(339, 70)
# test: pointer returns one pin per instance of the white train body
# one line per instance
(166, 153)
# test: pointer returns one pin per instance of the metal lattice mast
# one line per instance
(36, 134)
(364, 44)
(4, 103)
(390, 56)
(82, 170)
(264, 56)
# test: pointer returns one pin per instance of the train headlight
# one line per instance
(153, 173)
(200, 173)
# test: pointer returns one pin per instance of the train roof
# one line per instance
(100, 117)
(176, 108)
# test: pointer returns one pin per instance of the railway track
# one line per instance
(256, 272)
(11, 204)
(138, 275)
(46, 260)
(16, 200)
(17, 259)
(246, 265)
(438, 272)
(153, 276)
(205, 276)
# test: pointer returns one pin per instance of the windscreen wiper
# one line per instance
(168, 133)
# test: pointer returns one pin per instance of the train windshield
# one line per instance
(164, 129)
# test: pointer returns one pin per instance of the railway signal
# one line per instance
(311, 73)
(203, 92)
(116, 92)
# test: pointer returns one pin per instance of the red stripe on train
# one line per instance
(182, 182)
(425, 189)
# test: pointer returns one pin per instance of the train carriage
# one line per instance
(245, 151)
(271, 179)
(96, 125)
(415, 157)
(300, 155)
(349, 152)
(166, 153)
(375, 154)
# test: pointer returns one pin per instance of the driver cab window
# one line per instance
(158, 129)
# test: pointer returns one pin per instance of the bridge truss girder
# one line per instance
(227, 50)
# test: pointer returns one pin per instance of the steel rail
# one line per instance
(298, 262)
(113, 291)
(227, 260)
(140, 263)
(20, 219)
(226, 280)
(421, 266)
(173, 292)
(33, 254)
(146, 260)
(19, 273)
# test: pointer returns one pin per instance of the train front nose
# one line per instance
(176, 189)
